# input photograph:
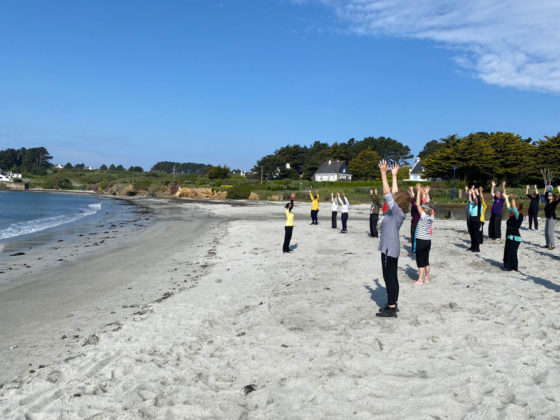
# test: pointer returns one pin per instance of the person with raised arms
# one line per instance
(495, 224)
(344, 206)
(423, 234)
(334, 211)
(550, 214)
(314, 207)
(289, 227)
(389, 242)
(513, 236)
(533, 207)
(374, 213)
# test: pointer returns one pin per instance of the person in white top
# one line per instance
(423, 234)
(344, 205)
(334, 209)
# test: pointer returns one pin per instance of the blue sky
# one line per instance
(226, 82)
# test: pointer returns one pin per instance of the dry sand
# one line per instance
(224, 325)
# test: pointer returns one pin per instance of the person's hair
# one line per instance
(402, 198)
(520, 206)
(534, 195)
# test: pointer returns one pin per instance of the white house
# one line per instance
(59, 166)
(4, 178)
(333, 170)
(417, 171)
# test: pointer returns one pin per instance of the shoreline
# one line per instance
(74, 297)
(236, 329)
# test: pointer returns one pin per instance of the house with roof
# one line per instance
(417, 172)
(333, 170)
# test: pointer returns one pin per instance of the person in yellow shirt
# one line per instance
(289, 228)
(314, 207)
(482, 210)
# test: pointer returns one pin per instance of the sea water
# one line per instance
(31, 218)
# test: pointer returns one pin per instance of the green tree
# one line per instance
(68, 166)
(365, 165)
(548, 153)
(219, 172)
(103, 167)
(430, 148)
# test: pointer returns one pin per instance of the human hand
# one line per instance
(370, 191)
(493, 183)
(395, 169)
(504, 184)
(535, 186)
(418, 187)
(383, 166)
(375, 191)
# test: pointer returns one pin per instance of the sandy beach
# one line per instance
(201, 315)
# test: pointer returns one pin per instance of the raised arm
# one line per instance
(492, 190)
(419, 198)
(507, 199)
(339, 199)
(504, 187)
(426, 194)
(394, 171)
(527, 190)
(345, 199)
(311, 195)
(383, 169)
(536, 189)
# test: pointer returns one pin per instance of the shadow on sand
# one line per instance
(527, 277)
(378, 295)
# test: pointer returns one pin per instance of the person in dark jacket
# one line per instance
(533, 208)
(495, 224)
(374, 213)
(513, 236)
(550, 214)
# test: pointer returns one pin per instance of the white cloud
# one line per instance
(507, 43)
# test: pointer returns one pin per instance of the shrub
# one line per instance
(57, 181)
(143, 184)
(240, 191)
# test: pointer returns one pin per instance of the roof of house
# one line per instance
(418, 167)
(333, 167)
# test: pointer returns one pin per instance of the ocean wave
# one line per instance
(37, 225)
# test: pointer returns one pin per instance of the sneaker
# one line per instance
(387, 313)
(386, 308)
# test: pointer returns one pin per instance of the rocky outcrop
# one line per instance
(185, 192)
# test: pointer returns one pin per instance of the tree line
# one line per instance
(481, 157)
(305, 160)
(34, 160)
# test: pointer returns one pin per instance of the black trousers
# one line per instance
(344, 217)
(287, 238)
(533, 218)
(373, 218)
(495, 226)
(510, 254)
(474, 227)
(423, 247)
(333, 219)
(481, 233)
(390, 266)
(314, 214)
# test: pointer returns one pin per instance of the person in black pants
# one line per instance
(289, 227)
(495, 225)
(513, 237)
(374, 213)
(474, 224)
(334, 211)
(533, 208)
